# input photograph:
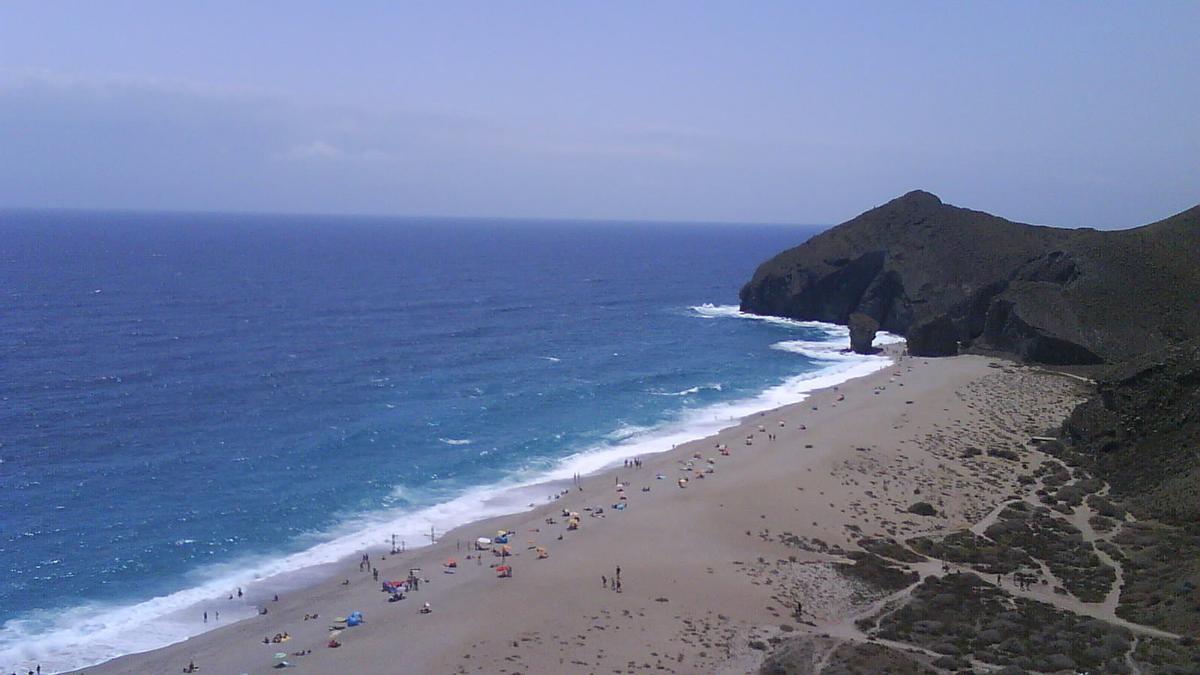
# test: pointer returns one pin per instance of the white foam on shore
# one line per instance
(94, 633)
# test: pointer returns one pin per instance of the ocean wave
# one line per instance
(818, 351)
(833, 330)
(711, 311)
(455, 441)
(625, 431)
(689, 391)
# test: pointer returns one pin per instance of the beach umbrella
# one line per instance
(280, 655)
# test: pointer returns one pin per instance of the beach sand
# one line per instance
(708, 572)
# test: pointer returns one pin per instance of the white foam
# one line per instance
(818, 351)
(689, 391)
(711, 311)
(90, 634)
(455, 441)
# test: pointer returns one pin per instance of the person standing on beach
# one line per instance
(604, 581)
(206, 617)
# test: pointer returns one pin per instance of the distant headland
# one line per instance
(945, 276)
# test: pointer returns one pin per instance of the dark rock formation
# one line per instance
(1046, 294)
(862, 333)
(933, 337)
(923, 509)
(1141, 433)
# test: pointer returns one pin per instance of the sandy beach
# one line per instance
(708, 572)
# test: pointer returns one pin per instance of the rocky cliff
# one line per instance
(1140, 432)
(941, 275)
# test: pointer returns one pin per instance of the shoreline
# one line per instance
(721, 562)
(687, 553)
(503, 498)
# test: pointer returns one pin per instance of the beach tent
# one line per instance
(354, 619)
(482, 543)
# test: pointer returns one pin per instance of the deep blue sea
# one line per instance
(192, 403)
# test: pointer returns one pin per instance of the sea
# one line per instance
(196, 403)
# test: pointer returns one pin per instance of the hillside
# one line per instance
(941, 274)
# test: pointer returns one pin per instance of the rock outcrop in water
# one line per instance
(862, 333)
(943, 275)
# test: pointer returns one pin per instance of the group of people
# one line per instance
(277, 638)
(1024, 581)
(614, 583)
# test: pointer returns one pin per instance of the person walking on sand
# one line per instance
(206, 617)
(604, 581)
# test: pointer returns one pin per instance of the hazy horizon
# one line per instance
(1047, 113)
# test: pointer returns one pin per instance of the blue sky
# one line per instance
(1061, 113)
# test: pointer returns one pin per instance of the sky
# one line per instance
(1061, 113)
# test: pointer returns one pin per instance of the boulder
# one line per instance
(923, 509)
(862, 333)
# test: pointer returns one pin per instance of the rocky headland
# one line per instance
(945, 276)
